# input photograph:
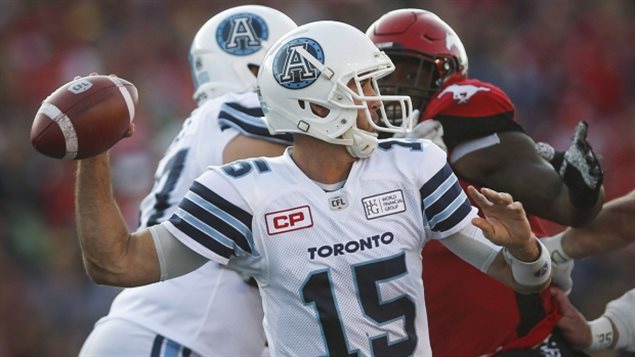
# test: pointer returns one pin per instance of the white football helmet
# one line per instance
(229, 44)
(314, 64)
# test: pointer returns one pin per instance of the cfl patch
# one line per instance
(384, 204)
(338, 203)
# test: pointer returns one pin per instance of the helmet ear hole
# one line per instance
(319, 110)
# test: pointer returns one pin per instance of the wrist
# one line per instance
(527, 252)
(556, 249)
(602, 334)
(530, 273)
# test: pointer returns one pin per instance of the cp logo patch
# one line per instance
(291, 67)
(242, 34)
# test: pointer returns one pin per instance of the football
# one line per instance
(84, 117)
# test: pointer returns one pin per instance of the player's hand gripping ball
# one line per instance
(84, 117)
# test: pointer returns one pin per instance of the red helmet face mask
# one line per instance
(425, 50)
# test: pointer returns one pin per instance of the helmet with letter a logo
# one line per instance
(230, 44)
(315, 65)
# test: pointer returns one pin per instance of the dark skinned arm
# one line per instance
(514, 166)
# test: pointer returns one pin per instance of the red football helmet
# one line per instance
(425, 50)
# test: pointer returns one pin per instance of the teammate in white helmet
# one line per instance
(211, 311)
(333, 229)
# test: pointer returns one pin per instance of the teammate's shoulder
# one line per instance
(251, 168)
(247, 99)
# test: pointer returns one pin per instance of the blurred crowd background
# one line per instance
(560, 61)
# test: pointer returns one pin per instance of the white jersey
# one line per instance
(339, 272)
(212, 310)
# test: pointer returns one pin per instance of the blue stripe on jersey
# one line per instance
(192, 220)
(457, 216)
(200, 237)
(433, 183)
(221, 226)
(219, 218)
(447, 212)
(444, 202)
(222, 204)
(248, 121)
(253, 111)
(156, 346)
(438, 200)
(172, 349)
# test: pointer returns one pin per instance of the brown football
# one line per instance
(84, 117)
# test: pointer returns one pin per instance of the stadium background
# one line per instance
(559, 60)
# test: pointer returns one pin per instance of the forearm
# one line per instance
(569, 214)
(613, 228)
(109, 250)
(544, 194)
(470, 245)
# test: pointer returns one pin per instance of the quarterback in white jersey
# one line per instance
(332, 230)
(351, 257)
(197, 311)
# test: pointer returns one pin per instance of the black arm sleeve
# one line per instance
(457, 130)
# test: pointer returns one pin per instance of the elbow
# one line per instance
(102, 274)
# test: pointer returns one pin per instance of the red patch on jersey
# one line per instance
(468, 98)
(288, 220)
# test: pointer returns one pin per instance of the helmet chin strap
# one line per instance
(364, 142)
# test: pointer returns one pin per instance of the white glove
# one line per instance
(561, 264)
(428, 129)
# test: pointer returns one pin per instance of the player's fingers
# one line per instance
(581, 131)
(478, 197)
(517, 207)
(500, 198)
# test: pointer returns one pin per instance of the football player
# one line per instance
(475, 122)
(333, 229)
(212, 311)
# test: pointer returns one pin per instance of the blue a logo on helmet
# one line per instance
(292, 69)
(242, 34)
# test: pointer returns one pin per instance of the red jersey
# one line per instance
(469, 313)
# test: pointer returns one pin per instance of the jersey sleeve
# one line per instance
(217, 226)
(445, 206)
(472, 110)
(247, 120)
